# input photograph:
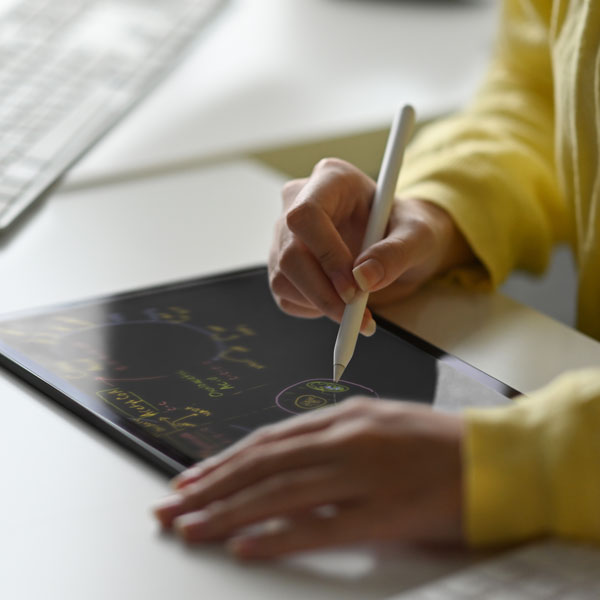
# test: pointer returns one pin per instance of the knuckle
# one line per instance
(261, 435)
(216, 509)
(336, 169)
(190, 493)
(266, 432)
(397, 248)
(393, 253)
(287, 259)
(294, 310)
(355, 439)
(291, 188)
(299, 216)
(331, 163)
(278, 282)
(286, 306)
(328, 258)
(356, 404)
(421, 227)
(283, 483)
(253, 460)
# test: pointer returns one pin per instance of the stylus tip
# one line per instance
(338, 371)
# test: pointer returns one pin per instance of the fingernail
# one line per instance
(369, 328)
(368, 274)
(167, 509)
(185, 476)
(191, 526)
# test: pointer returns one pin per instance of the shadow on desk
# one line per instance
(372, 571)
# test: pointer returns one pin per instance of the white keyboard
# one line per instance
(543, 571)
(69, 69)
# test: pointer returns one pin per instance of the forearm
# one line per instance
(492, 167)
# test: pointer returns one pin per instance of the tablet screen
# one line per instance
(182, 371)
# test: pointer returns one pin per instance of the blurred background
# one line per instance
(119, 90)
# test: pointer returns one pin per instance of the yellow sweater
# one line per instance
(519, 170)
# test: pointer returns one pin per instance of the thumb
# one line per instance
(412, 241)
(385, 262)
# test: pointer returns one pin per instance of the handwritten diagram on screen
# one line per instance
(195, 367)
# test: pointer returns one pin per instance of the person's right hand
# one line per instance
(315, 264)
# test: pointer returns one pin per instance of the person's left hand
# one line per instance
(383, 470)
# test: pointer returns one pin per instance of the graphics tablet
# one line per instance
(181, 371)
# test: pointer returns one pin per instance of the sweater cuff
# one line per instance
(531, 468)
(476, 226)
(505, 478)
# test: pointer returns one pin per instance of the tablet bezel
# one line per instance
(161, 455)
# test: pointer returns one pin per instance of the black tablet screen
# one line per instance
(180, 372)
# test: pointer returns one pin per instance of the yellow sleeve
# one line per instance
(533, 468)
(492, 166)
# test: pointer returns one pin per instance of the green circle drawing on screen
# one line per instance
(327, 386)
(312, 394)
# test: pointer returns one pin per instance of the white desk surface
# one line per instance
(74, 509)
(265, 74)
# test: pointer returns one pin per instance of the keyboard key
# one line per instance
(23, 170)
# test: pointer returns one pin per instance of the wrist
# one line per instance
(453, 248)
(453, 431)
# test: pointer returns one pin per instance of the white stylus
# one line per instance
(400, 131)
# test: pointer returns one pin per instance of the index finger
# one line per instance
(294, 426)
(314, 227)
(309, 218)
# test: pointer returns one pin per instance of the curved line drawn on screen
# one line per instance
(312, 394)
(225, 349)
